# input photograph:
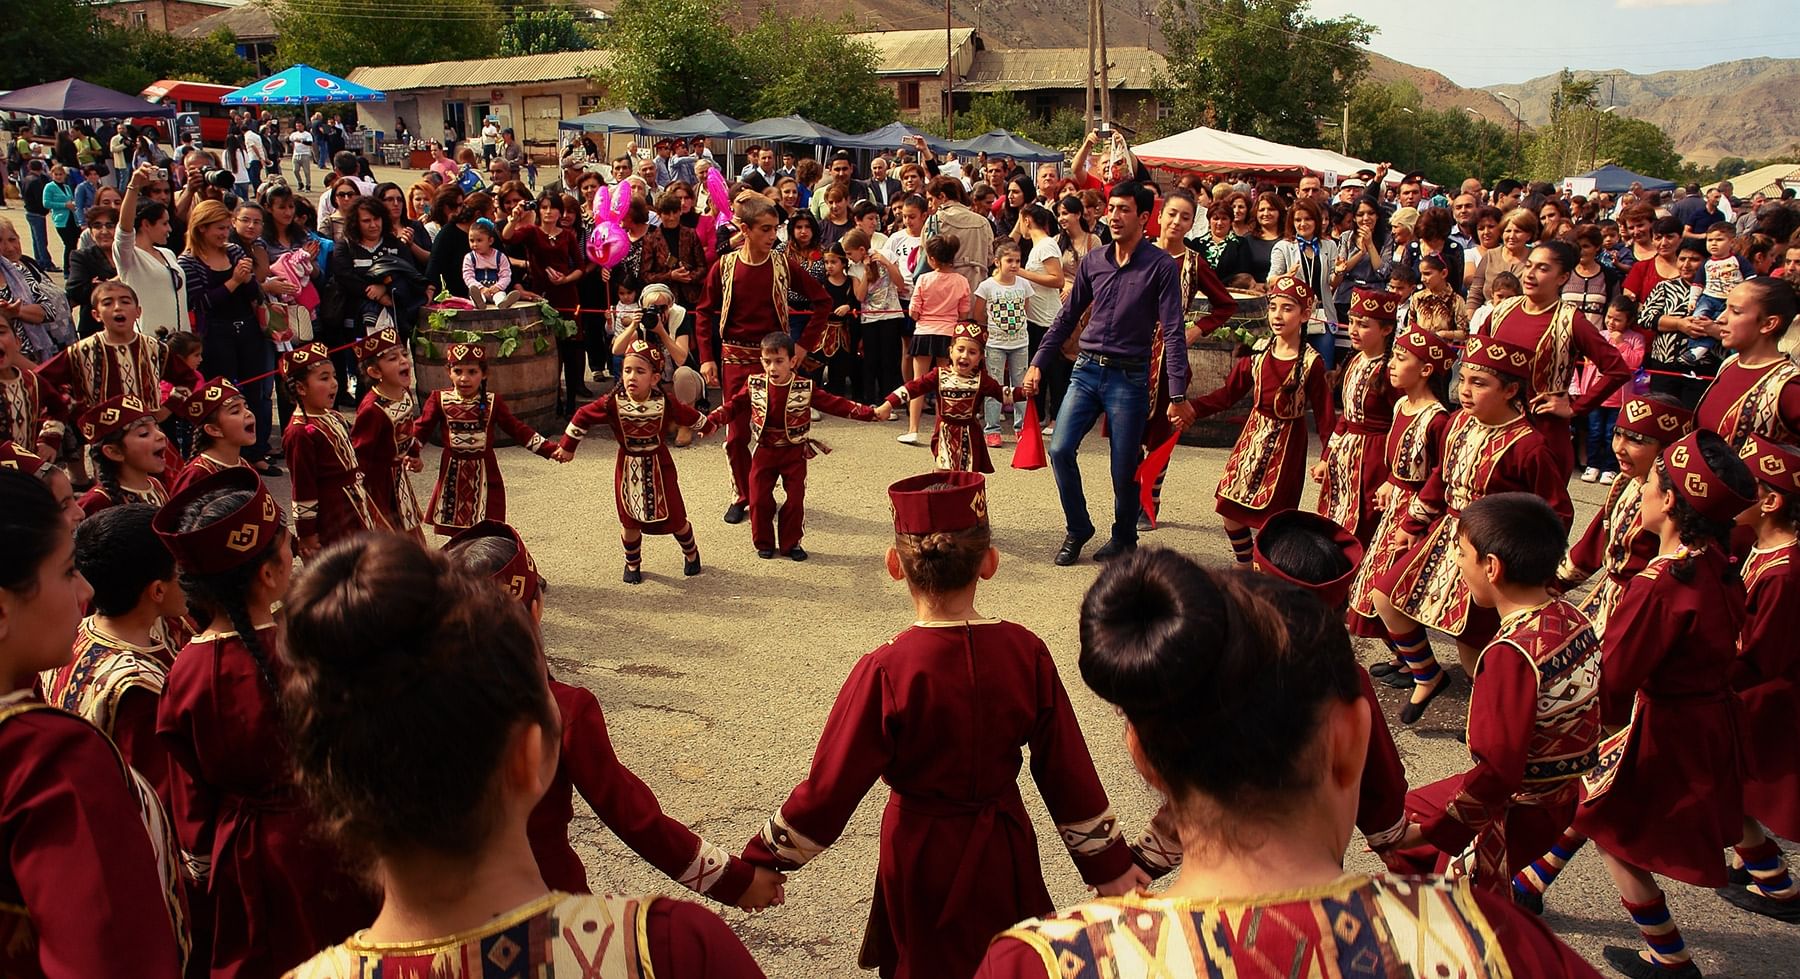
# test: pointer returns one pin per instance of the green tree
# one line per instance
(1259, 67)
(812, 67)
(1390, 122)
(671, 58)
(139, 57)
(50, 39)
(543, 32)
(338, 35)
(45, 40)
(1640, 145)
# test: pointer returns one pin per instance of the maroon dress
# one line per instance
(956, 442)
(469, 488)
(1267, 469)
(1766, 677)
(1614, 543)
(1560, 338)
(1411, 450)
(331, 500)
(1355, 455)
(644, 486)
(383, 436)
(940, 713)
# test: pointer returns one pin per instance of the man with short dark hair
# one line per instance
(840, 171)
(1463, 209)
(1311, 188)
(1412, 187)
(1133, 290)
(1507, 194)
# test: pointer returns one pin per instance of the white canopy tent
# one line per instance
(1206, 150)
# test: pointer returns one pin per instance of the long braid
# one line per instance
(106, 469)
(227, 593)
(482, 400)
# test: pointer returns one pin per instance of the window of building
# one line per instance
(909, 95)
(140, 18)
(589, 103)
(1164, 111)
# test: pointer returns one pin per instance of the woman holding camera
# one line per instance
(143, 261)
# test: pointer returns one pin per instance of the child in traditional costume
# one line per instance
(1488, 447)
(126, 453)
(469, 487)
(1355, 463)
(588, 764)
(386, 448)
(961, 388)
(19, 459)
(1615, 542)
(779, 407)
(89, 882)
(274, 892)
(1267, 467)
(1758, 387)
(32, 411)
(940, 713)
(222, 428)
(644, 486)
(331, 500)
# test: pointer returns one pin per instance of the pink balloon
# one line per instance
(608, 242)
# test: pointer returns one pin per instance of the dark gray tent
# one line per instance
(1612, 179)
(73, 98)
(706, 122)
(614, 121)
(793, 129)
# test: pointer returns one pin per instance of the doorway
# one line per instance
(456, 120)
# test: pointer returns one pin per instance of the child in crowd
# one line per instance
(960, 389)
(260, 876)
(837, 345)
(626, 312)
(223, 427)
(125, 453)
(32, 411)
(486, 270)
(1723, 271)
(883, 316)
(1505, 286)
(1436, 306)
(1764, 678)
(1758, 389)
(1403, 281)
(14, 456)
(779, 406)
(588, 764)
(188, 349)
(1534, 716)
(1000, 306)
(1267, 467)
(383, 430)
(89, 871)
(644, 483)
(940, 300)
(331, 498)
(1489, 447)
(940, 712)
(1355, 465)
(1622, 333)
(469, 486)
(1615, 540)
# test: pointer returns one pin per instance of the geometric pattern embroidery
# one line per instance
(1090, 836)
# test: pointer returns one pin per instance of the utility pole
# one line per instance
(1518, 123)
(1346, 127)
(1091, 6)
(1105, 88)
(949, 77)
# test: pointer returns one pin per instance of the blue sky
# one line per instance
(1478, 42)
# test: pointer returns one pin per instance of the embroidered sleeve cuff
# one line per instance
(899, 398)
(1158, 850)
(1387, 838)
(539, 445)
(790, 848)
(1569, 574)
(1097, 848)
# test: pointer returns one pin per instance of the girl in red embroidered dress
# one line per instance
(469, 488)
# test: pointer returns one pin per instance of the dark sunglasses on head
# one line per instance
(103, 225)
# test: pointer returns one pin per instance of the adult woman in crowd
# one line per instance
(1432, 237)
(1263, 827)
(451, 246)
(223, 285)
(1518, 229)
(21, 298)
(409, 231)
(559, 263)
(1223, 249)
(90, 264)
(1313, 258)
(1661, 266)
(419, 198)
(356, 296)
(1271, 227)
(145, 264)
(1243, 212)
(1020, 194)
(1487, 238)
(344, 192)
(1636, 222)
(673, 254)
(1591, 285)
(237, 160)
(787, 199)
(1554, 218)
(445, 202)
(1041, 253)
(1362, 255)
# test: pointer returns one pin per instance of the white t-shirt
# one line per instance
(901, 246)
(1006, 311)
(490, 134)
(1046, 301)
(302, 141)
(253, 146)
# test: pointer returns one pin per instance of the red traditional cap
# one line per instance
(112, 416)
(970, 331)
(1498, 355)
(301, 359)
(519, 575)
(650, 353)
(467, 353)
(1772, 463)
(375, 344)
(1694, 481)
(1655, 419)
(230, 541)
(1333, 593)
(1376, 304)
(939, 502)
(17, 457)
(210, 398)
(1291, 286)
(1428, 347)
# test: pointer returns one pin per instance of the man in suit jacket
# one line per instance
(883, 189)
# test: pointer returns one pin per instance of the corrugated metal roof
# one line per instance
(1041, 68)
(249, 22)
(913, 52)
(525, 69)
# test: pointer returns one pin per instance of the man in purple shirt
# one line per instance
(1133, 288)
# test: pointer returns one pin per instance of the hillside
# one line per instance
(1002, 23)
(1734, 108)
(1438, 91)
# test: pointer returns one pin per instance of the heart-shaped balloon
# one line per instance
(608, 242)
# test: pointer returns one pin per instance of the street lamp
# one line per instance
(1480, 143)
(1518, 123)
(1413, 137)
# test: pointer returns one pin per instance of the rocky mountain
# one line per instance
(1734, 108)
(1439, 92)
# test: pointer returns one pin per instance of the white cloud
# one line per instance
(1650, 4)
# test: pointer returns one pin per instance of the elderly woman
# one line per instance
(21, 297)
(1263, 790)
(1518, 229)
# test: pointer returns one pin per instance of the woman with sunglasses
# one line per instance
(405, 228)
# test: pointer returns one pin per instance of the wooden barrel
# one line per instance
(527, 379)
(1209, 363)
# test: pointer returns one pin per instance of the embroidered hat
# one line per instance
(1290, 523)
(375, 344)
(519, 575)
(17, 457)
(970, 331)
(1428, 347)
(210, 398)
(1291, 286)
(1376, 304)
(648, 352)
(1498, 355)
(1696, 482)
(941, 501)
(1772, 463)
(112, 416)
(302, 358)
(1660, 420)
(231, 540)
(466, 353)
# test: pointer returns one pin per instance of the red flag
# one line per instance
(1150, 470)
(1029, 453)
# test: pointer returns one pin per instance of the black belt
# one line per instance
(1114, 360)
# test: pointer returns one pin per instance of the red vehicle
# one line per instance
(200, 99)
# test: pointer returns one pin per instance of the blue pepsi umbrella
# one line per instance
(302, 85)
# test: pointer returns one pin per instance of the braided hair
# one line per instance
(1696, 531)
(106, 468)
(227, 593)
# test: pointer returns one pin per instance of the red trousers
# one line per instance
(737, 438)
(788, 464)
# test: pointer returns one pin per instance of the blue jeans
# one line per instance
(1600, 423)
(40, 238)
(1123, 395)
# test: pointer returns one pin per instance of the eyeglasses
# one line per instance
(103, 226)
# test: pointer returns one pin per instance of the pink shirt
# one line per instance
(940, 300)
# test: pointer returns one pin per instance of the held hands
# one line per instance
(1383, 494)
(1030, 384)
(1318, 472)
(560, 454)
(709, 372)
(414, 464)
(1129, 882)
(765, 890)
(1181, 414)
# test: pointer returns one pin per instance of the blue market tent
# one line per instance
(793, 129)
(1613, 179)
(302, 85)
(73, 98)
(893, 136)
(703, 123)
(999, 142)
(614, 121)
